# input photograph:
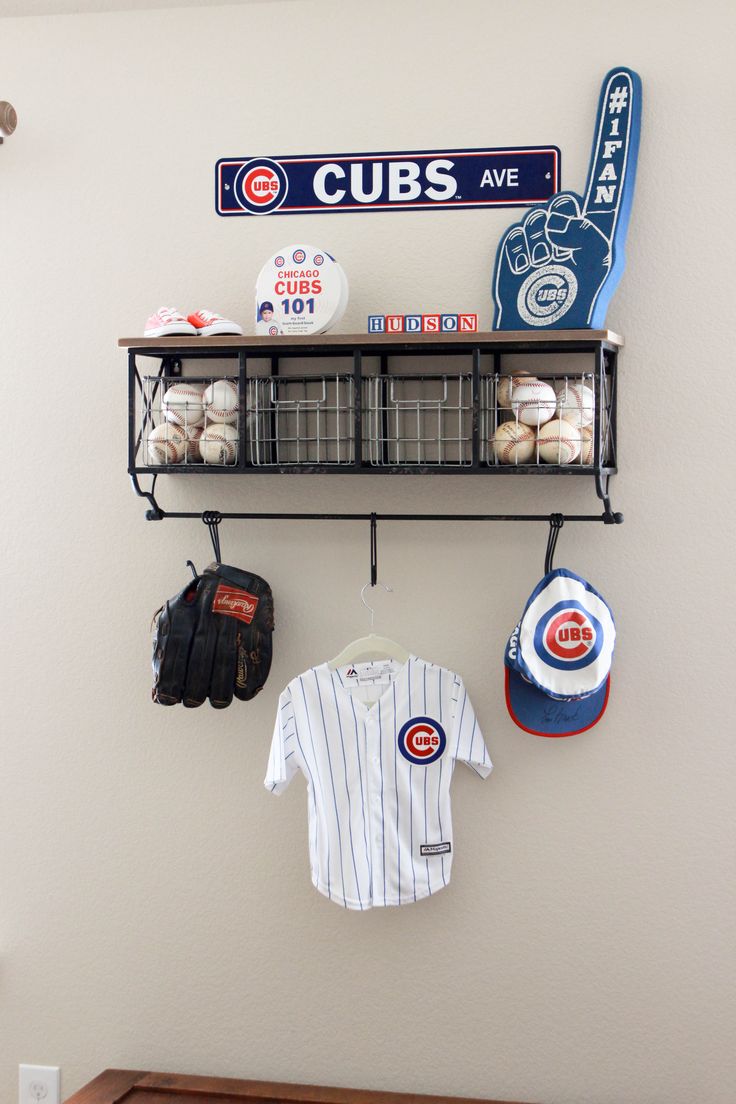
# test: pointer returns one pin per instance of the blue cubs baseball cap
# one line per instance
(558, 658)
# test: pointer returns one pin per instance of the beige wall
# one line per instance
(155, 909)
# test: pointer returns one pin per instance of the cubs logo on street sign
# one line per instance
(261, 186)
(422, 740)
(425, 180)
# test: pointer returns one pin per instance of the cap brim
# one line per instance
(535, 712)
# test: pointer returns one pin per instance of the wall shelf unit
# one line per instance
(376, 404)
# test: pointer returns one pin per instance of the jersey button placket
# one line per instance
(373, 760)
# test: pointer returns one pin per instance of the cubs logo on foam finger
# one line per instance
(421, 740)
(558, 658)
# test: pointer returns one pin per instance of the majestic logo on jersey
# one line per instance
(435, 849)
(422, 740)
(568, 636)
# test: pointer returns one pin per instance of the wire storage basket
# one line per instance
(559, 419)
(301, 421)
(188, 422)
(419, 420)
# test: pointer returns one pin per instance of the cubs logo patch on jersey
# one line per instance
(558, 658)
(422, 740)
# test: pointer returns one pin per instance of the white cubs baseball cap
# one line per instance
(558, 658)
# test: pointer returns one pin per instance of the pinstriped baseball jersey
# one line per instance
(377, 744)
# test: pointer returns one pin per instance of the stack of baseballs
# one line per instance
(199, 426)
(552, 422)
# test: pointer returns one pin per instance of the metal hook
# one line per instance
(374, 550)
(212, 519)
(388, 589)
(556, 521)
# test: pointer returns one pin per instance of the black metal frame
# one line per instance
(604, 352)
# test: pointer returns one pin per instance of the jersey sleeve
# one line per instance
(466, 742)
(283, 758)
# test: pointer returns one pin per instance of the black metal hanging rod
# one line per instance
(612, 519)
(155, 513)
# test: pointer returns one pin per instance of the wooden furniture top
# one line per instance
(139, 1087)
(368, 340)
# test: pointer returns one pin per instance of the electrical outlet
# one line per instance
(39, 1085)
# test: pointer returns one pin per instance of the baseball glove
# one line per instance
(213, 639)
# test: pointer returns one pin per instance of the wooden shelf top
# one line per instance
(405, 341)
(114, 1086)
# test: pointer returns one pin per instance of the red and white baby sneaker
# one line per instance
(207, 324)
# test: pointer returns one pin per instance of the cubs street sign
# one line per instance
(425, 180)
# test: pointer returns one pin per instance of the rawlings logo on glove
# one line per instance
(235, 603)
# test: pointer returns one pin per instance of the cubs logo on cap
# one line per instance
(422, 740)
(558, 658)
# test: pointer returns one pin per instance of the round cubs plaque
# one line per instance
(300, 290)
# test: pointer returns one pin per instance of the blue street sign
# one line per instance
(560, 266)
(426, 180)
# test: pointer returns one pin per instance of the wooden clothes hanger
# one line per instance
(371, 645)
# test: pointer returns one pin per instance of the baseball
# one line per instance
(513, 443)
(575, 403)
(507, 384)
(587, 450)
(221, 402)
(165, 444)
(192, 435)
(534, 402)
(219, 444)
(558, 442)
(182, 404)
